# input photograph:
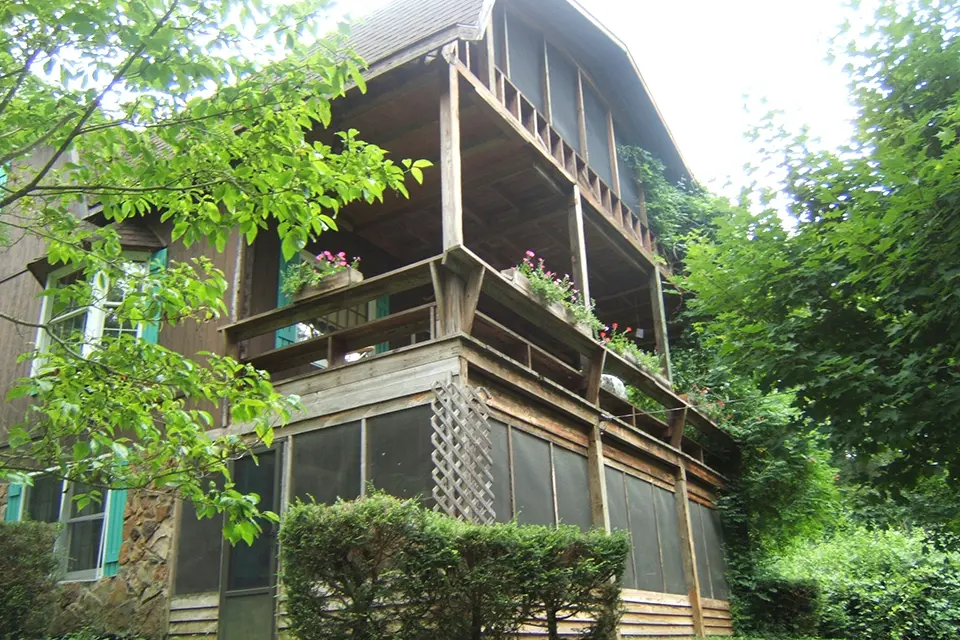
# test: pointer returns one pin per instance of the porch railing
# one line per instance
(505, 318)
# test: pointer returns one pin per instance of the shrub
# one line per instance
(384, 568)
(881, 585)
(28, 578)
(780, 606)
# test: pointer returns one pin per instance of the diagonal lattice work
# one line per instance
(462, 452)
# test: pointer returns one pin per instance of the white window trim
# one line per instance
(62, 544)
(96, 314)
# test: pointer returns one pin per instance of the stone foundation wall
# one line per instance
(136, 600)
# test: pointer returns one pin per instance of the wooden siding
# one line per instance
(18, 298)
(194, 617)
(717, 618)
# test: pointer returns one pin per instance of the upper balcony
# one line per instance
(504, 334)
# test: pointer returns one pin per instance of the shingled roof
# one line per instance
(404, 29)
(402, 24)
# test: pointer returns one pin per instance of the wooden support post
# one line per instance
(471, 297)
(450, 170)
(660, 323)
(614, 161)
(578, 246)
(581, 120)
(595, 376)
(678, 420)
(688, 551)
(450, 292)
(490, 56)
(596, 479)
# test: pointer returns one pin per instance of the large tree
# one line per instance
(164, 108)
(849, 296)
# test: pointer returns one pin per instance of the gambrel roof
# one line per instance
(404, 29)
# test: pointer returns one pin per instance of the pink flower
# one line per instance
(629, 329)
(603, 334)
(530, 254)
(342, 254)
(615, 325)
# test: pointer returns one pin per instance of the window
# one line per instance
(85, 325)
(91, 537)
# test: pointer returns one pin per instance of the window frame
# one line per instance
(95, 314)
(62, 544)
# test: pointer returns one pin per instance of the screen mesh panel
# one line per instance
(598, 133)
(713, 537)
(199, 548)
(700, 547)
(532, 483)
(399, 451)
(564, 97)
(247, 617)
(629, 191)
(619, 521)
(573, 490)
(526, 61)
(251, 565)
(501, 471)
(668, 526)
(326, 464)
(643, 527)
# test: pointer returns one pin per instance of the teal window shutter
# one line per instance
(383, 310)
(287, 335)
(114, 537)
(151, 330)
(14, 498)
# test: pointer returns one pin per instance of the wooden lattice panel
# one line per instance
(462, 452)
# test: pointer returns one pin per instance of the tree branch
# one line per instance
(88, 112)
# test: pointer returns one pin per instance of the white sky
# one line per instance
(706, 60)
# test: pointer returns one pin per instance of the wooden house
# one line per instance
(521, 106)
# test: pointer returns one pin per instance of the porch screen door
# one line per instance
(247, 600)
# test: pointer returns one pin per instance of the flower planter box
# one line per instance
(521, 282)
(335, 281)
(632, 359)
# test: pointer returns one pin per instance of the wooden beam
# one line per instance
(688, 551)
(678, 420)
(471, 298)
(660, 324)
(614, 161)
(596, 481)
(595, 376)
(489, 61)
(450, 160)
(582, 118)
(578, 246)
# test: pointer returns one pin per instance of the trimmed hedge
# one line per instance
(382, 568)
(28, 579)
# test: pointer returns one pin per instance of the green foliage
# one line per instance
(560, 290)
(878, 584)
(384, 568)
(622, 342)
(848, 302)
(673, 210)
(28, 579)
(308, 274)
(205, 114)
(779, 606)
